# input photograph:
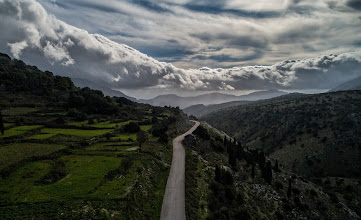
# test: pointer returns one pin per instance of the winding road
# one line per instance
(173, 207)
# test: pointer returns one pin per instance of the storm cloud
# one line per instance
(39, 38)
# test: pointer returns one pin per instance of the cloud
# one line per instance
(275, 29)
(39, 38)
(16, 48)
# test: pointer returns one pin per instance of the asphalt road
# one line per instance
(173, 207)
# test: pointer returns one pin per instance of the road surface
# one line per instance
(173, 207)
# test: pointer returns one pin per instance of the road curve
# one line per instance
(173, 207)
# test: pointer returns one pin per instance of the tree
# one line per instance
(253, 171)
(239, 151)
(232, 159)
(276, 167)
(261, 160)
(2, 127)
(289, 190)
(126, 164)
(217, 174)
(142, 137)
(268, 172)
(225, 141)
(132, 127)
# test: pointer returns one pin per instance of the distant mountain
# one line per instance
(202, 110)
(210, 99)
(354, 84)
(106, 90)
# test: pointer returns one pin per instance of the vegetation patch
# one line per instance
(12, 153)
(19, 130)
(41, 136)
(76, 132)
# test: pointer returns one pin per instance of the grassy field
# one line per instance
(19, 130)
(111, 146)
(13, 153)
(75, 132)
(41, 136)
(106, 124)
(6, 125)
(19, 111)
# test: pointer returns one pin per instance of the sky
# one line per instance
(188, 45)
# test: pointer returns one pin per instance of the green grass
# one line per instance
(75, 132)
(146, 127)
(19, 130)
(84, 173)
(13, 153)
(106, 124)
(19, 111)
(41, 136)
(17, 187)
(111, 146)
(124, 137)
(6, 125)
(133, 136)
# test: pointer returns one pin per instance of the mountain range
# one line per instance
(210, 99)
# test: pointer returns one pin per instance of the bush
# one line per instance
(57, 172)
(202, 133)
(132, 127)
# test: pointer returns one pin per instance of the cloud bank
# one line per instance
(39, 38)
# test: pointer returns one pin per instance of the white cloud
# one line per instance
(16, 48)
(41, 39)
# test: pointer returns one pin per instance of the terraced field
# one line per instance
(94, 161)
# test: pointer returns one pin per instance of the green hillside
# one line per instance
(71, 153)
(314, 135)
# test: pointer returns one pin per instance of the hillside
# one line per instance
(210, 99)
(71, 153)
(314, 135)
(354, 84)
(226, 180)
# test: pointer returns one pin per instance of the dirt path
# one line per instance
(173, 207)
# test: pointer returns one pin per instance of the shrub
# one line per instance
(132, 127)
(202, 133)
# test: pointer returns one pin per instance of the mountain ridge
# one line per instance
(210, 98)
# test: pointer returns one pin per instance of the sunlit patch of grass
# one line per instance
(125, 137)
(13, 153)
(41, 136)
(146, 127)
(19, 130)
(106, 124)
(6, 125)
(76, 132)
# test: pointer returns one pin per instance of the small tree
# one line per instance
(217, 174)
(289, 190)
(126, 164)
(276, 167)
(232, 159)
(142, 137)
(268, 172)
(253, 173)
(2, 127)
